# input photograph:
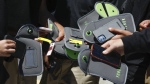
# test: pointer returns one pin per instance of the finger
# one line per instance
(108, 50)
(12, 45)
(145, 25)
(114, 30)
(59, 38)
(5, 54)
(46, 60)
(9, 51)
(117, 37)
(105, 45)
(10, 41)
(140, 29)
(120, 31)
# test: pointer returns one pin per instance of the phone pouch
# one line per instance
(126, 19)
(89, 17)
(74, 43)
(55, 32)
(88, 66)
(32, 63)
(58, 49)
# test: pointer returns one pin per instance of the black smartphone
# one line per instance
(20, 47)
(113, 59)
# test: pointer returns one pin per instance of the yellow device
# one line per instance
(44, 39)
(75, 41)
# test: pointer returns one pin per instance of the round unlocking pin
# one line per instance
(77, 45)
(30, 30)
(88, 33)
(84, 58)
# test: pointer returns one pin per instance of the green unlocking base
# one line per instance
(74, 43)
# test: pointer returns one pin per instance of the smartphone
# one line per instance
(102, 34)
(113, 59)
(20, 47)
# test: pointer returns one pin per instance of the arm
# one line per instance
(138, 42)
(44, 14)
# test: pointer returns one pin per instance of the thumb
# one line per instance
(59, 38)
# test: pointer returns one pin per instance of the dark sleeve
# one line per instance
(138, 42)
(2, 19)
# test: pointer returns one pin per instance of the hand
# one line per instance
(46, 61)
(113, 45)
(61, 32)
(144, 24)
(7, 47)
(119, 33)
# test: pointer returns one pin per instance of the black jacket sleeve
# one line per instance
(138, 42)
(2, 19)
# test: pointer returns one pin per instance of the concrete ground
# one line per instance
(79, 74)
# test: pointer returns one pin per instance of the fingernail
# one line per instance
(110, 28)
(104, 52)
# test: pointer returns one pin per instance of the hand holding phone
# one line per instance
(20, 47)
(112, 59)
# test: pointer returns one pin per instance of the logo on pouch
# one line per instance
(85, 23)
(101, 38)
(124, 23)
(30, 30)
(51, 26)
(118, 73)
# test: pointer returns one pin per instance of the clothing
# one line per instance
(138, 42)
(67, 13)
(137, 62)
(139, 9)
(18, 13)
(62, 73)
(3, 73)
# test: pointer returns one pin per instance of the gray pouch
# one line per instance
(89, 66)
(32, 63)
(74, 43)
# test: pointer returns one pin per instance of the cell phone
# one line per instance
(102, 34)
(20, 47)
(113, 59)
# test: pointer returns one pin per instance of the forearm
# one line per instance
(138, 42)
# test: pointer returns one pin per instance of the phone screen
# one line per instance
(112, 58)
